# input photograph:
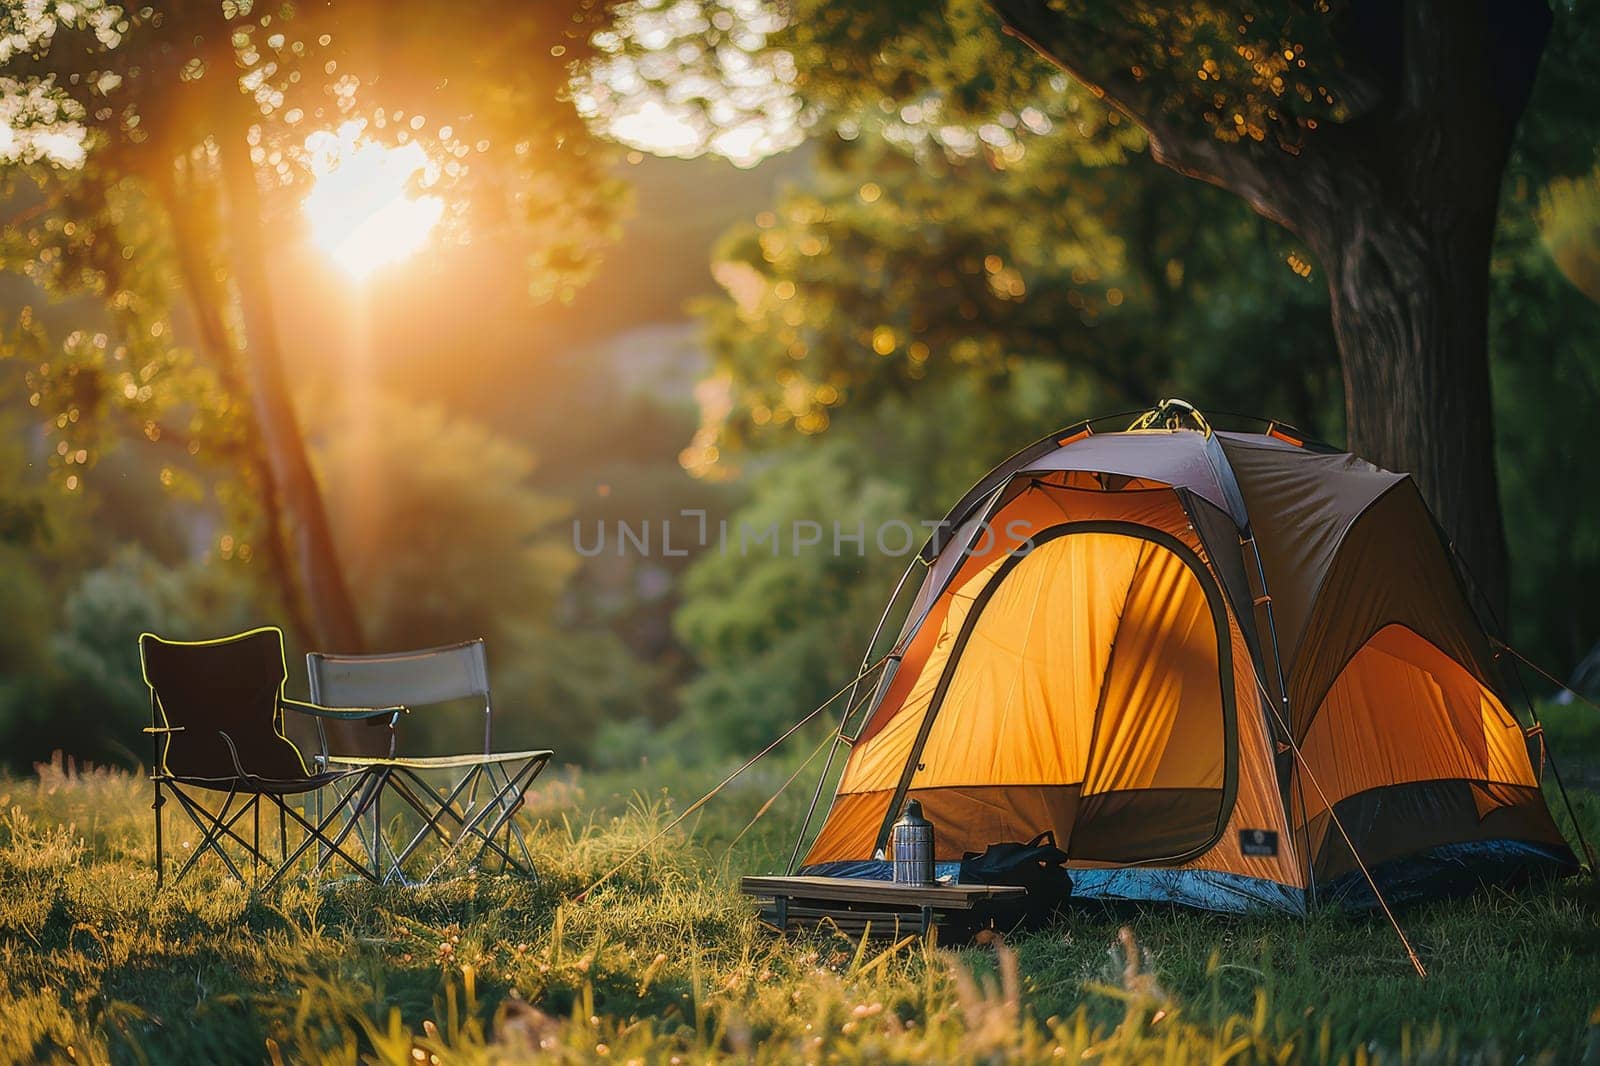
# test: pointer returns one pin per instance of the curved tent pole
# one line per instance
(1086, 427)
(1283, 694)
(1288, 433)
(991, 505)
(1009, 467)
(894, 656)
(849, 709)
(1214, 596)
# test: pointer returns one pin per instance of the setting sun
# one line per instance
(361, 209)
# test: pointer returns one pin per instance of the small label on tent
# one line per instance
(1260, 842)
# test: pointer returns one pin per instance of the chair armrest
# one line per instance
(238, 766)
(372, 716)
(233, 753)
(346, 714)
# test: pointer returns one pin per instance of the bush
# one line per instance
(87, 696)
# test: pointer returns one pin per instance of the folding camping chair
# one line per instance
(433, 676)
(216, 726)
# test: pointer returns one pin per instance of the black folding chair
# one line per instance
(472, 818)
(216, 725)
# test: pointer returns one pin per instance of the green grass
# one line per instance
(665, 962)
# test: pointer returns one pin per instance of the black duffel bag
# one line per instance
(1038, 866)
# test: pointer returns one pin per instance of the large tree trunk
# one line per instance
(1398, 205)
(1410, 314)
(333, 611)
(205, 299)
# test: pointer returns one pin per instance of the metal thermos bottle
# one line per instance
(912, 838)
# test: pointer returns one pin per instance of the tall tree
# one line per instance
(191, 97)
(1374, 131)
(1377, 132)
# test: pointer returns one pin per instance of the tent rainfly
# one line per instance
(1225, 669)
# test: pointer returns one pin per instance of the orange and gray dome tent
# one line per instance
(1223, 669)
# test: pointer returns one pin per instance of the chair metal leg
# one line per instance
(222, 827)
(516, 785)
(223, 831)
(314, 812)
(374, 845)
(410, 787)
(486, 838)
(422, 798)
(160, 864)
(465, 811)
(512, 829)
(316, 835)
(509, 800)
(211, 835)
(411, 792)
(362, 792)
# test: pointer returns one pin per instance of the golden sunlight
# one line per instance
(361, 209)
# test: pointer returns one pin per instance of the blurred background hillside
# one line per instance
(851, 329)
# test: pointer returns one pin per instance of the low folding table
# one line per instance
(857, 906)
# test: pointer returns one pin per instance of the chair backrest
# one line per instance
(413, 678)
(232, 685)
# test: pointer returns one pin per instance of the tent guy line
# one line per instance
(757, 757)
(1550, 755)
(1411, 952)
(767, 806)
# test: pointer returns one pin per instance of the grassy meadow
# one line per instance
(665, 962)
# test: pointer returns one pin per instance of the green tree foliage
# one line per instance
(558, 687)
(1569, 222)
(1376, 134)
(85, 693)
(439, 526)
(950, 285)
(156, 156)
(106, 366)
(778, 627)
(136, 88)
(1547, 380)
(897, 270)
(932, 256)
(1270, 70)
(447, 541)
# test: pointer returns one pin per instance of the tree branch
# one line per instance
(1252, 170)
(205, 302)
